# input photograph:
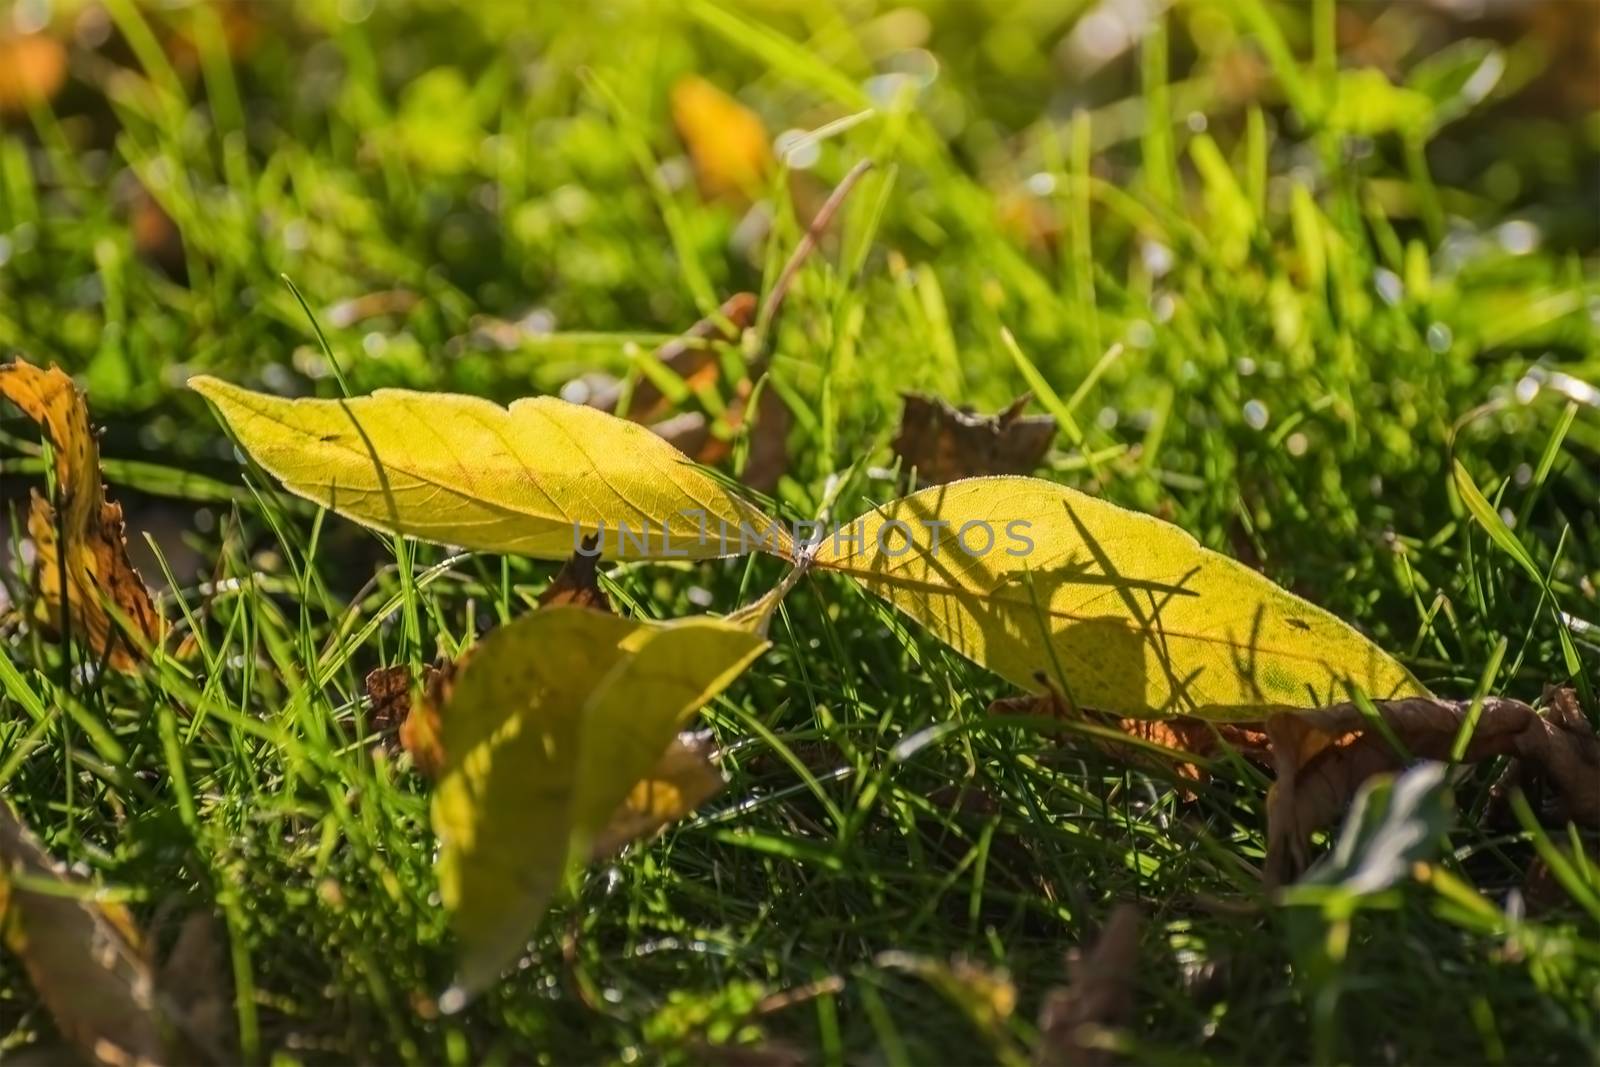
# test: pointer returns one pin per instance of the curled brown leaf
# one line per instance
(1179, 736)
(1323, 756)
(1098, 997)
(577, 582)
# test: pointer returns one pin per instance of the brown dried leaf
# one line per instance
(683, 778)
(945, 444)
(389, 696)
(692, 356)
(96, 565)
(1099, 996)
(85, 959)
(576, 582)
(1323, 757)
(1182, 734)
(191, 981)
(422, 732)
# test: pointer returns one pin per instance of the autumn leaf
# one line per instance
(693, 360)
(1130, 615)
(1323, 757)
(33, 67)
(683, 778)
(944, 444)
(548, 729)
(85, 958)
(421, 732)
(94, 562)
(578, 581)
(1099, 996)
(691, 357)
(1179, 742)
(727, 142)
(533, 479)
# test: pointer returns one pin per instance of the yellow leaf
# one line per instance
(548, 729)
(534, 479)
(99, 577)
(33, 67)
(85, 959)
(726, 140)
(1130, 614)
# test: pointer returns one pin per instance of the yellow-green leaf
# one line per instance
(1129, 613)
(532, 479)
(550, 725)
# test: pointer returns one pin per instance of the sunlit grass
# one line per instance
(1266, 322)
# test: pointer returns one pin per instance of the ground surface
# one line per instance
(1316, 314)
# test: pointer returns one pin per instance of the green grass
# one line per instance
(1314, 323)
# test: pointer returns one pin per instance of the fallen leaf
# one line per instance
(693, 359)
(191, 984)
(691, 356)
(389, 703)
(1393, 824)
(1098, 997)
(547, 730)
(95, 559)
(1180, 735)
(33, 68)
(85, 958)
(1130, 615)
(1324, 756)
(682, 779)
(422, 732)
(944, 444)
(533, 479)
(388, 697)
(577, 582)
(727, 142)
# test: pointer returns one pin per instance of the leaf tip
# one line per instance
(205, 384)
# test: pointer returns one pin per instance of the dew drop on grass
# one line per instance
(1156, 256)
(798, 148)
(1390, 288)
(1518, 237)
(1440, 337)
(1255, 414)
(1297, 444)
